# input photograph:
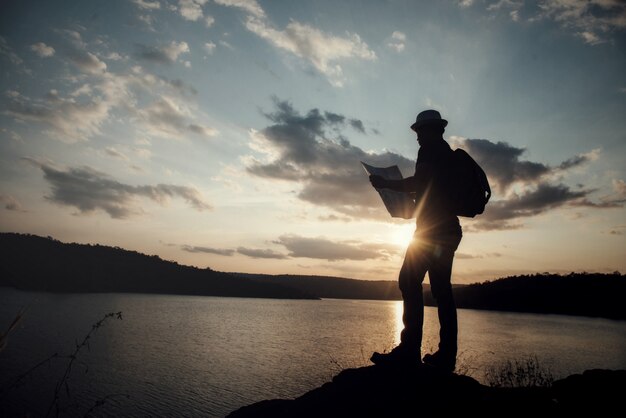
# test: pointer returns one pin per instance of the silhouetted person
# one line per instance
(436, 238)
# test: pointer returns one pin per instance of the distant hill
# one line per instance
(333, 287)
(586, 294)
(30, 262)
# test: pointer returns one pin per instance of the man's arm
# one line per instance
(406, 185)
(414, 184)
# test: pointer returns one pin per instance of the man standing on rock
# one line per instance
(436, 238)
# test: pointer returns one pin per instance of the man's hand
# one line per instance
(378, 182)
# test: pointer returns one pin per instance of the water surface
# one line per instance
(206, 356)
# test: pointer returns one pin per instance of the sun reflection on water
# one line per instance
(398, 322)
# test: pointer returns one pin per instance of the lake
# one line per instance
(206, 356)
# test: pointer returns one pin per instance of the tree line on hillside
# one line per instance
(36, 263)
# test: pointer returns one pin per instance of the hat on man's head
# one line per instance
(429, 117)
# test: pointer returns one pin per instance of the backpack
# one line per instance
(470, 187)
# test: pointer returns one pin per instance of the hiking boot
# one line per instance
(442, 361)
(399, 356)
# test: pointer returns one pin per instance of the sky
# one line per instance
(228, 133)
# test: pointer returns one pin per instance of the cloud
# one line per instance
(619, 186)
(322, 248)
(249, 6)
(191, 9)
(111, 151)
(147, 4)
(167, 54)
(464, 256)
(504, 167)
(69, 120)
(592, 20)
(10, 203)
(525, 188)
(590, 37)
(502, 162)
(181, 87)
(261, 253)
(397, 41)
(208, 21)
(14, 136)
(617, 230)
(148, 20)
(89, 190)
(171, 118)
(322, 50)
(42, 49)
(114, 56)
(78, 55)
(87, 62)
(209, 47)
(613, 200)
(309, 150)
(80, 115)
(580, 159)
(545, 197)
(208, 250)
(7, 51)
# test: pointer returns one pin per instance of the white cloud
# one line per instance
(148, 20)
(249, 6)
(75, 38)
(466, 3)
(168, 117)
(187, 64)
(114, 56)
(165, 54)
(590, 37)
(208, 21)
(325, 249)
(191, 9)
(226, 44)
(397, 41)
(505, 4)
(399, 36)
(68, 120)
(209, 47)
(87, 62)
(318, 48)
(147, 4)
(42, 49)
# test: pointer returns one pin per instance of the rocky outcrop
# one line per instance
(423, 391)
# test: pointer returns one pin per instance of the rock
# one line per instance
(424, 391)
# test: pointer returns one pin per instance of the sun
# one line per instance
(401, 235)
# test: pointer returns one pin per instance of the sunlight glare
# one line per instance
(401, 235)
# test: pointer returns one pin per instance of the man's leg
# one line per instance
(440, 272)
(410, 280)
